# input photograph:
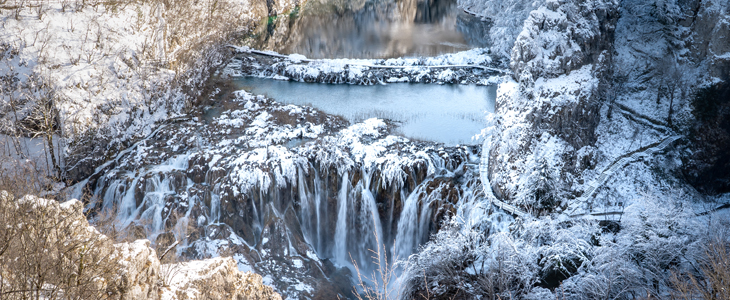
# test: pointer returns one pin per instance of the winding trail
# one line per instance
(592, 186)
(484, 176)
(622, 161)
(632, 115)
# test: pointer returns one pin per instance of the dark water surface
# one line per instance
(372, 29)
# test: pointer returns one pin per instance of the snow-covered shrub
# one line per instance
(659, 235)
(713, 277)
(443, 266)
(571, 259)
(656, 237)
(462, 261)
(539, 190)
(562, 247)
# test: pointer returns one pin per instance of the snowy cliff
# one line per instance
(594, 81)
(608, 135)
(548, 111)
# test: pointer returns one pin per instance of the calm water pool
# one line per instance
(449, 114)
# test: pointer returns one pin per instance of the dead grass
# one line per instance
(712, 279)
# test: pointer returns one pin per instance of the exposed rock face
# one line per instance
(707, 166)
(550, 110)
(139, 268)
(214, 279)
(562, 36)
(710, 29)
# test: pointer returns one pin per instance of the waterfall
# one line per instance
(215, 205)
(154, 202)
(406, 237)
(158, 182)
(317, 208)
(341, 216)
(305, 216)
(127, 207)
(341, 230)
(371, 229)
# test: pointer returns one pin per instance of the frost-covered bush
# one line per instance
(462, 261)
(656, 238)
(571, 259)
(539, 191)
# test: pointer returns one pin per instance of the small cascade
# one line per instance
(215, 205)
(306, 209)
(408, 226)
(154, 201)
(371, 230)
(317, 209)
(159, 184)
(341, 229)
(127, 207)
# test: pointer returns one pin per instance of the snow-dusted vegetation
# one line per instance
(601, 174)
(99, 75)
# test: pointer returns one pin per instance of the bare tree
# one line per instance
(42, 121)
(671, 82)
(46, 250)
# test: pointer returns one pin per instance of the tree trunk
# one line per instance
(49, 140)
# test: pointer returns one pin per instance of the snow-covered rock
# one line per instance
(216, 279)
(129, 270)
(549, 109)
(473, 66)
(140, 270)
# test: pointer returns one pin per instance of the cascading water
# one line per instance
(371, 231)
(408, 226)
(329, 206)
(341, 229)
(159, 184)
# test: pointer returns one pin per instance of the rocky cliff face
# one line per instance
(709, 133)
(595, 80)
(549, 108)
